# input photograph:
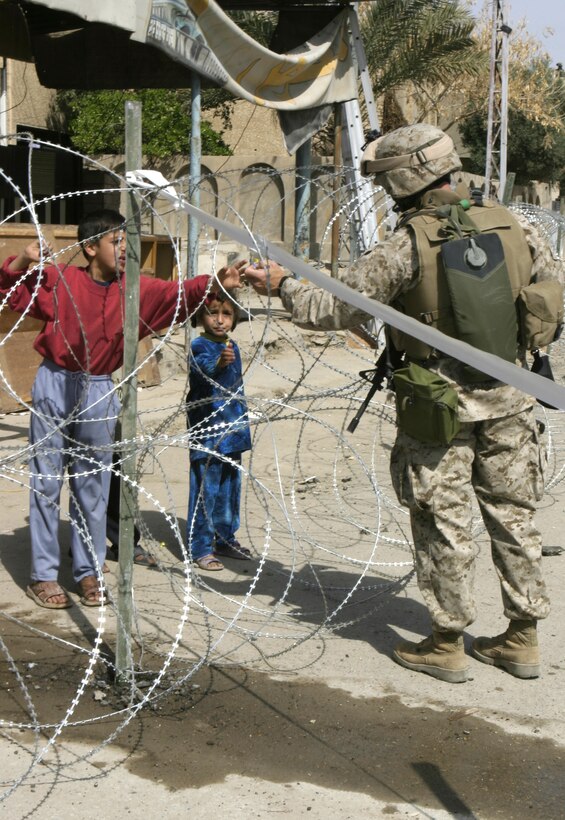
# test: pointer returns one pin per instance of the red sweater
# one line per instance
(84, 320)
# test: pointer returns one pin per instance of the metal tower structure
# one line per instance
(497, 126)
(364, 218)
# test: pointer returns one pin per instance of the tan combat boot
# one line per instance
(516, 650)
(440, 655)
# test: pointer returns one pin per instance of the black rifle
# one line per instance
(379, 378)
(542, 366)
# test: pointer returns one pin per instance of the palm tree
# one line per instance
(417, 40)
(425, 43)
(257, 24)
(421, 43)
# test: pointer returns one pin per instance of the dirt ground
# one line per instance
(268, 689)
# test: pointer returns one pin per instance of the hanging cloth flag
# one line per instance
(318, 72)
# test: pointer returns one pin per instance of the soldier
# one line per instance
(495, 454)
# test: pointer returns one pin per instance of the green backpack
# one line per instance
(486, 313)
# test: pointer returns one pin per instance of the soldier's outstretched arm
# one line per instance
(380, 274)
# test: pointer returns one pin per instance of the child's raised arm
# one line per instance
(231, 276)
(31, 255)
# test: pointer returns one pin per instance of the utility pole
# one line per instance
(497, 126)
(195, 171)
(364, 223)
(302, 197)
(336, 188)
(128, 493)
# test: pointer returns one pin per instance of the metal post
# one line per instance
(366, 82)
(508, 188)
(491, 100)
(4, 102)
(497, 122)
(128, 495)
(195, 171)
(303, 190)
(504, 32)
(336, 188)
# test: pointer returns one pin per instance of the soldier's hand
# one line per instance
(264, 276)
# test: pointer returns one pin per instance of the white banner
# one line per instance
(320, 71)
(195, 35)
(171, 27)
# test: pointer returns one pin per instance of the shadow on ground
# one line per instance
(233, 721)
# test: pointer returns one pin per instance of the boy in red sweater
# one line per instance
(74, 405)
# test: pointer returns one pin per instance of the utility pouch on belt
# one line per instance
(481, 295)
(426, 405)
(541, 313)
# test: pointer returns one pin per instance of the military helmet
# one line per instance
(409, 159)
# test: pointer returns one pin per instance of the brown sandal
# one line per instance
(90, 592)
(209, 563)
(42, 591)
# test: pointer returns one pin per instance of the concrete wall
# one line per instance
(254, 193)
(28, 101)
(253, 131)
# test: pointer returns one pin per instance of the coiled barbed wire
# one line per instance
(330, 544)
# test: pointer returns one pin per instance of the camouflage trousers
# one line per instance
(499, 463)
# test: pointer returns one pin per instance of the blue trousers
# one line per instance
(213, 505)
(71, 427)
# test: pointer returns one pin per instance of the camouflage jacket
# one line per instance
(388, 270)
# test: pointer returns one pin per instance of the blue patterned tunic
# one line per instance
(216, 407)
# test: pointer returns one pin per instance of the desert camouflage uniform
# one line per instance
(496, 457)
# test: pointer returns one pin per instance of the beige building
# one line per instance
(256, 183)
(254, 187)
(23, 100)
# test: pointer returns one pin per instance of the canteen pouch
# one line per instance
(540, 306)
(426, 405)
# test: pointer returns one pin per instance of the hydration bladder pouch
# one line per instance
(426, 405)
(481, 296)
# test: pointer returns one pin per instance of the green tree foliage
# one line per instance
(418, 41)
(259, 25)
(536, 107)
(533, 152)
(412, 45)
(95, 121)
(535, 88)
(536, 115)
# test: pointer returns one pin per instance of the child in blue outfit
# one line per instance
(219, 434)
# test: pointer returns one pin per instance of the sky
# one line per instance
(540, 15)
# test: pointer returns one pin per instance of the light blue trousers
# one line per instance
(71, 427)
